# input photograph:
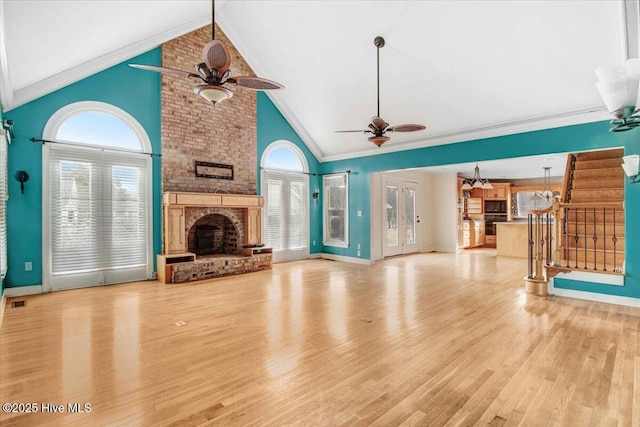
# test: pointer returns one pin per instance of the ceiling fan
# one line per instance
(378, 127)
(214, 71)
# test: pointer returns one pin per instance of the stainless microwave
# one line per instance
(495, 206)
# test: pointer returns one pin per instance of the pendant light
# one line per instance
(476, 182)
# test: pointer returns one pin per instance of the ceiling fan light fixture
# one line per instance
(378, 140)
(213, 94)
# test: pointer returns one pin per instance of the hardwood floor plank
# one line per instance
(427, 339)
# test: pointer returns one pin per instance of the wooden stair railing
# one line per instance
(574, 236)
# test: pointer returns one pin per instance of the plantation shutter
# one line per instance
(275, 221)
(98, 211)
(4, 195)
(286, 218)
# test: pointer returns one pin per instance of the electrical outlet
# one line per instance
(28, 266)
(358, 246)
(314, 243)
(359, 213)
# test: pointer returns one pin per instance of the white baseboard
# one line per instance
(22, 291)
(315, 256)
(591, 296)
(451, 250)
(3, 302)
(346, 259)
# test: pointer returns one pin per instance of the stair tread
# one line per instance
(600, 154)
(610, 162)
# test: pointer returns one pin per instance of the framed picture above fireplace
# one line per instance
(213, 170)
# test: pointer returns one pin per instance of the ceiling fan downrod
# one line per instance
(378, 42)
(213, 19)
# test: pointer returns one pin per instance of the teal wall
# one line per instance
(559, 140)
(272, 126)
(1, 280)
(134, 91)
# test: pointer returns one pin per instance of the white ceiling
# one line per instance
(465, 69)
(507, 169)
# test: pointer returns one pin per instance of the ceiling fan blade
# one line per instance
(255, 83)
(378, 123)
(216, 55)
(163, 70)
(406, 128)
(348, 131)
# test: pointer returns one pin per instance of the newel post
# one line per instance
(558, 219)
(535, 282)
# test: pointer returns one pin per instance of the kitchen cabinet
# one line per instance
(498, 192)
(468, 234)
(479, 233)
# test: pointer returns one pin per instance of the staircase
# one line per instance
(583, 230)
(593, 237)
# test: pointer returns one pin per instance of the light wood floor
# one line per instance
(418, 340)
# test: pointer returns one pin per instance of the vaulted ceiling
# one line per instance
(465, 69)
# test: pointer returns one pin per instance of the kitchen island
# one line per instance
(512, 239)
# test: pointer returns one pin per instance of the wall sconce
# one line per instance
(630, 165)
(22, 177)
(316, 194)
(618, 86)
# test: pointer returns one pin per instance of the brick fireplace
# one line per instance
(206, 235)
(192, 130)
(215, 230)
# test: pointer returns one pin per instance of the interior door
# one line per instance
(400, 217)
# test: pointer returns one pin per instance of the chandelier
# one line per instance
(476, 182)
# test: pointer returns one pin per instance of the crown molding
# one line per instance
(630, 17)
(101, 63)
(6, 94)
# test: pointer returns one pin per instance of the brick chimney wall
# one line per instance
(193, 129)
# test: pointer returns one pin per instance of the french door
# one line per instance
(400, 217)
(287, 218)
(97, 218)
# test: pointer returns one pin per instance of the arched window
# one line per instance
(284, 155)
(96, 198)
(285, 186)
(97, 124)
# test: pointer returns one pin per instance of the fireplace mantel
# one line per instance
(184, 199)
(173, 209)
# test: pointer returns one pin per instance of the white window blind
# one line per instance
(336, 210)
(98, 217)
(4, 195)
(286, 219)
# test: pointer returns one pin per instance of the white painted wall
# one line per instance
(444, 212)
